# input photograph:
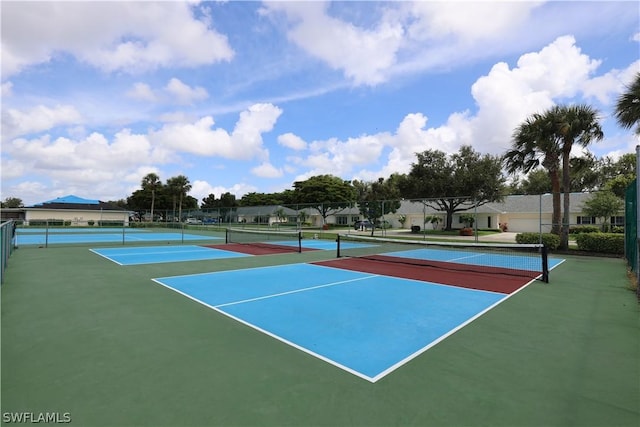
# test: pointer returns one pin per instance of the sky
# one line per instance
(243, 96)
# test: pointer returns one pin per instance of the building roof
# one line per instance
(75, 203)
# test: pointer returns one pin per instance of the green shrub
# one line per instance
(608, 243)
(110, 223)
(584, 229)
(47, 222)
(551, 241)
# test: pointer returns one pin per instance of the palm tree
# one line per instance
(179, 186)
(628, 106)
(151, 182)
(533, 145)
(572, 124)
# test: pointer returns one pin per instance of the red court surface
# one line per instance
(492, 279)
(258, 248)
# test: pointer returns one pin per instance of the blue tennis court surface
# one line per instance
(366, 324)
(159, 254)
(83, 230)
(476, 258)
(106, 237)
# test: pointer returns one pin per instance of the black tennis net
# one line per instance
(267, 238)
(527, 260)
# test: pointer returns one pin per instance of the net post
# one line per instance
(545, 264)
(226, 236)
(338, 246)
(299, 241)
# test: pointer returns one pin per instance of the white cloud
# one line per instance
(244, 142)
(29, 191)
(185, 94)
(292, 141)
(175, 92)
(469, 22)
(112, 36)
(266, 170)
(201, 189)
(370, 52)
(11, 169)
(605, 88)
(91, 165)
(7, 89)
(504, 98)
(37, 119)
(142, 92)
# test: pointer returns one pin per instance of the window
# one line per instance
(583, 220)
(342, 220)
(617, 221)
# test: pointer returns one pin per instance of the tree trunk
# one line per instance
(555, 192)
(153, 201)
(566, 183)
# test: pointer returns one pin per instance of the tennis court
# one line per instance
(136, 255)
(366, 324)
(307, 339)
(42, 236)
(160, 254)
(365, 315)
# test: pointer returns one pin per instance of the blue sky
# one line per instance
(253, 96)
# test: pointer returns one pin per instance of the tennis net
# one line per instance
(526, 260)
(284, 239)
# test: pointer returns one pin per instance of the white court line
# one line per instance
(271, 334)
(105, 257)
(159, 253)
(298, 290)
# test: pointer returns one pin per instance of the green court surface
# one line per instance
(102, 342)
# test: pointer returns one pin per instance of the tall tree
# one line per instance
(616, 175)
(454, 183)
(533, 145)
(628, 106)
(179, 187)
(151, 182)
(535, 182)
(572, 124)
(603, 205)
(12, 202)
(585, 173)
(325, 193)
(224, 206)
(377, 198)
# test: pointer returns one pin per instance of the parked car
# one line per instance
(363, 225)
(193, 221)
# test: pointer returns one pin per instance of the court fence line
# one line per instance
(7, 240)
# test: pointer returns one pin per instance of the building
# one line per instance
(69, 210)
(516, 213)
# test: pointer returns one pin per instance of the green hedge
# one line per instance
(608, 243)
(551, 241)
(584, 229)
(47, 222)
